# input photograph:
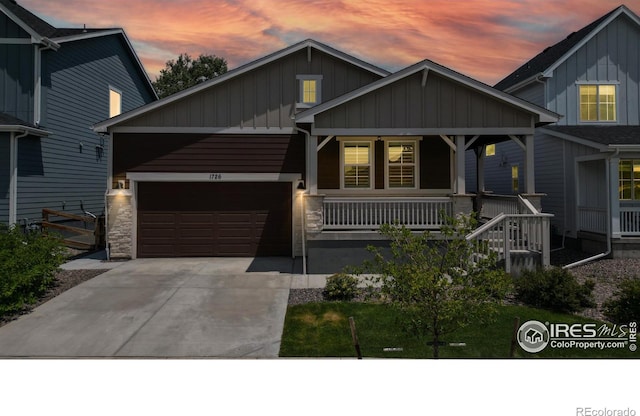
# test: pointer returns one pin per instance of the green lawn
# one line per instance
(322, 330)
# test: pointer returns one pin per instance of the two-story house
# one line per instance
(588, 163)
(55, 83)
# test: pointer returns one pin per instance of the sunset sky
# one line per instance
(485, 39)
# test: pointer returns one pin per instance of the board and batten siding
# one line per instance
(612, 55)
(202, 153)
(442, 103)
(262, 98)
(69, 168)
(534, 93)
(16, 80)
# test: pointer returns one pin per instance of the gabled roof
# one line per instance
(43, 32)
(599, 137)
(309, 43)
(543, 64)
(545, 116)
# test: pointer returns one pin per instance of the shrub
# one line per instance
(555, 289)
(625, 306)
(341, 286)
(27, 266)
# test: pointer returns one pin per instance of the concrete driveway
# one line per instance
(223, 308)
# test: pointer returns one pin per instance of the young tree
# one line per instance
(440, 285)
(186, 72)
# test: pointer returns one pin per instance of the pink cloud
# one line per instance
(481, 38)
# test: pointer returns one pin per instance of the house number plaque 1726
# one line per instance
(215, 176)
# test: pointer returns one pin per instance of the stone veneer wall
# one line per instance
(314, 214)
(119, 226)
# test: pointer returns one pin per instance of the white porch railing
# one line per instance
(494, 205)
(630, 221)
(592, 219)
(370, 213)
(508, 235)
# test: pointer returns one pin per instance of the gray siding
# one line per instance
(264, 97)
(555, 176)
(67, 168)
(442, 103)
(612, 55)
(4, 178)
(16, 80)
(534, 93)
(497, 169)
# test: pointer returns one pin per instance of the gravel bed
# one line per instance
(606, 274)
(64, 280)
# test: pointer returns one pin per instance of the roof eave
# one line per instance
(623, 148)
(16, 128)
(515, 87)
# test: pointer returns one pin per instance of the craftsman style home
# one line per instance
(588, 164)
(302, 153)
(54, 85)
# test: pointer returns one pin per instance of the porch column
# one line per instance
(461, 184)
(13, 179)
(312, 165)
(529, 162)
(614, 196)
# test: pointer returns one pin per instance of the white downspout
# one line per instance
(606, 253)
(13, 175)
(304, 246)
(37, 80)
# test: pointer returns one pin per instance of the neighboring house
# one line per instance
(54, 85)
(301, 153)
(587, 164)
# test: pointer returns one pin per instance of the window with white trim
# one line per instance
(357, 157)
(597, 103)
(310, 90)
(629, 180)
(115, 102)
(401, 164)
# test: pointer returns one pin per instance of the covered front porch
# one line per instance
(394, 152)
(358, 183)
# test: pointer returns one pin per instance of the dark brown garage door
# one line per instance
(214, 219)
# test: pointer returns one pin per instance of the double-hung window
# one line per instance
(357, 158)
(401, 164)
(597, 103)
(309, 90)
(629, 179)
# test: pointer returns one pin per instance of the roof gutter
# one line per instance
(617, 148)
(23, 130)
(534, 78)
